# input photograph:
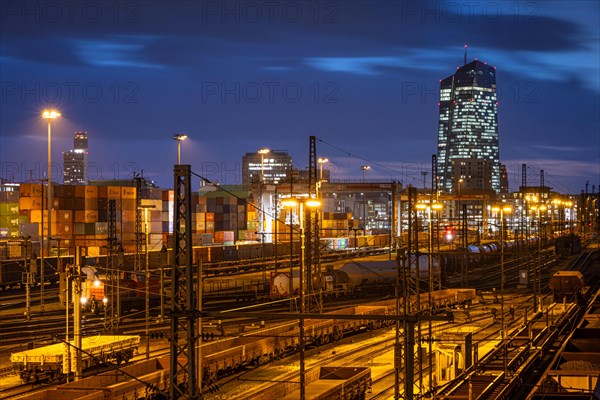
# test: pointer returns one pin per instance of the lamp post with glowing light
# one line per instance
(48, 115)
(321, 161)
(364, 168)
(312, 204)
(502, 210)
(262, 153)
(537, 293)
(179, 137)
(425, 207)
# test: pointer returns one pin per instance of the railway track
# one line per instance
(501, 371)
(359, 349)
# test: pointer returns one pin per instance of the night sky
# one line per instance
(361, 76)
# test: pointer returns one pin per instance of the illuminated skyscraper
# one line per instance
(75, 161)
(468, 127)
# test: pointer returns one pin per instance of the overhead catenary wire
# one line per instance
(370, 162)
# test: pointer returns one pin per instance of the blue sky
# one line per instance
(236, 76)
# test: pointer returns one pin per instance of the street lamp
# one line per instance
(538, 270)
(147, 278)
(321, 161)
(312, 204)
(179, 137)
(428, 208)
(262, 153)
(364, 168)
(48, 115)
(502, 210)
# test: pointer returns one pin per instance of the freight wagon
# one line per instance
(226, 356)
(337, 383)
(49, 363)
(569, 285)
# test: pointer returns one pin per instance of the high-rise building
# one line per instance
(503, 179)
(274, 167)
(468, 127)
(75, 161)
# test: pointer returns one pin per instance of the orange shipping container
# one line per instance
(91, 192)
(91, 203)
(128, 216)
(79, 191)
(36, 216)
(30, 190)
(25, 203)
(64, 229)
(86, 216)
(210, 217)
(114, 192)
(30, 203)
(224, 236)
(45, 230)
(65, 217)
(128, 204)
(128, 193)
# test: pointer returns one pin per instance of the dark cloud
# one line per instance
(193, 65)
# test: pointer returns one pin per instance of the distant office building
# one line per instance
(503, 179)
(75, 161)
(273, 166)
(468, 123)
(476, 174)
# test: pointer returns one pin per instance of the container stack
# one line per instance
(335, 224)
(79, 216)
(9, 215)
(222, 215)
(31, 205)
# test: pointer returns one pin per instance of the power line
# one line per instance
(371, 162)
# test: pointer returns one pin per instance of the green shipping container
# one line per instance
(9, 209)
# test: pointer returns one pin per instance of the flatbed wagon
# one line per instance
(48, 363)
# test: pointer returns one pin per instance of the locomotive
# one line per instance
(128, 287)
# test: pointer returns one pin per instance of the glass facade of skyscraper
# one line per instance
(468, 123)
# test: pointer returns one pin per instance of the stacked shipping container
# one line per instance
(9, 214)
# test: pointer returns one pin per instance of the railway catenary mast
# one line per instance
(411, 290)
(184, 380)
(111, 320)
(313, 265)
(138, 223)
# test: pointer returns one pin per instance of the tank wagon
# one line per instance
(48, 363)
